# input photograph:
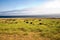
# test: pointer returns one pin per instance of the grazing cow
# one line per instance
(40, 23)
(30, 22)
(27, 22)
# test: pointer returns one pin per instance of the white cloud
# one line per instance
(50, 7)
(52, 4)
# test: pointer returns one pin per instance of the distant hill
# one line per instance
(19, 14)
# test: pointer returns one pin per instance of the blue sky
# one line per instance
(29, 7)
(6, 5)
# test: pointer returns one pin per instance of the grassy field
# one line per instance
(29, 29)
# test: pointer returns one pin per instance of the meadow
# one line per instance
(29, 28)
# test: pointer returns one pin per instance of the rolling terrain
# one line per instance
(29, 28)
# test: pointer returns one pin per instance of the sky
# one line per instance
(6, 5)
(29, 7)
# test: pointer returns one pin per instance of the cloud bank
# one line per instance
(50, 7)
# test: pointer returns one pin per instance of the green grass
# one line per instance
(47, 27)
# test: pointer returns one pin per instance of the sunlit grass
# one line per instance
(49, 28)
